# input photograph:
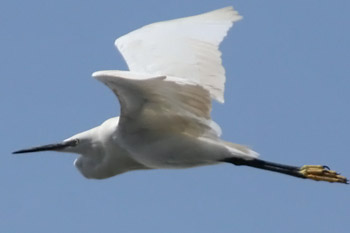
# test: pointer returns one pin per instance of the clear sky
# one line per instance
(287, 96)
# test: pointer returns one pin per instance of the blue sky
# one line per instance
(287, 96)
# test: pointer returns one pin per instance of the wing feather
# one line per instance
(185, 47)
(161, 103)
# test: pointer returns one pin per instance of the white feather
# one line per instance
(186, 48)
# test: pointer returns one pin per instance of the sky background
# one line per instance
(287, 96)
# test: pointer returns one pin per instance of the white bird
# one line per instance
(175, 72)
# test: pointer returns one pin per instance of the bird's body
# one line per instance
(109, 154)
(153, 134)
(175, 72)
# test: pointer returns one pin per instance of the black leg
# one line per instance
(315, 172)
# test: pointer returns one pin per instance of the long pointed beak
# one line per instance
(50, 147)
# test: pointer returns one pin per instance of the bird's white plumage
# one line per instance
(186, 48)
(175, 72)
(165, 98)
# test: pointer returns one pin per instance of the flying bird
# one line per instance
(175, 72)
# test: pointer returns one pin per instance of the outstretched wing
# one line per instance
(185, 47)
(162, 104)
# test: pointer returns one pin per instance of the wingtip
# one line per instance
(100, 74)
(96, 74)
(233, 13)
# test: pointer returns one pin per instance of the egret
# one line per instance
(165, 98)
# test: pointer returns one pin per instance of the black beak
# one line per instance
(52, 147)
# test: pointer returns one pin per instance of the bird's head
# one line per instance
(88, 145)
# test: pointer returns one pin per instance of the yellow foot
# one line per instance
(319, 172)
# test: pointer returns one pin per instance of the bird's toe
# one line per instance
(322, 173)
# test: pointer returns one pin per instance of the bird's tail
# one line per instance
(241, 151)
